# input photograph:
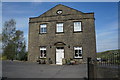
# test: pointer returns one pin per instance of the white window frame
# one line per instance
(44, 49)
(43, 26)
(58, 26)
(78, 48)
(77, 26)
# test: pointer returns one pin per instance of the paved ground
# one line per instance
(14, 69)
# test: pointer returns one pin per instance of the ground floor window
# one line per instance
(42, 52)
(77, 52)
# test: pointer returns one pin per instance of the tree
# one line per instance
(8, 34)
(20, 45)
(18, 40)
(14, 46)
(9, 51)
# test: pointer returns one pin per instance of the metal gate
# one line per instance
(107, 67)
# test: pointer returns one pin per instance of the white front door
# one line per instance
(59, 55)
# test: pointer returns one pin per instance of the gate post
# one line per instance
(91, 69)
(88, 66)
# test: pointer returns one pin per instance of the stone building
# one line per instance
(62, 33)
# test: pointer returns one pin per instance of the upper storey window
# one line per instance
(77, 26)
(43, 28)
(59, 27)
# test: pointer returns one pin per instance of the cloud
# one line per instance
(36, 3)
(104, 45)
(109, 27)
(22, 22)
(12, 9)
(108, 31)
(107, 38)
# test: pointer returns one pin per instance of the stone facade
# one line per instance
(67, 39)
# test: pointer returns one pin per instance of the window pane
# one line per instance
(59, 27)
(80, 55)
(78, 52)
(42, 52)
(42, 48)
(77, 26)
(43, 25)
(41, 55)
(60, 24)
(43, 28)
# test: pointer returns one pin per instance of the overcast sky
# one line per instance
(106, 18)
